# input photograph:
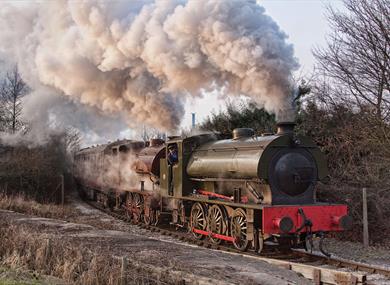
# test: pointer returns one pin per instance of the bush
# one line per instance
(357, 146)
(242, 116)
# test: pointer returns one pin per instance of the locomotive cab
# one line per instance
(175, 181)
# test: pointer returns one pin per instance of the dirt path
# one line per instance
(162, 254)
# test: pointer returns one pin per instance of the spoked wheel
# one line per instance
(129, 205)
(117, 201)
(151, 218)
(103, 200)
(198, 219)
(157, 220)
(216, 221)
(137, 207)
(179, 216)
(239, 228)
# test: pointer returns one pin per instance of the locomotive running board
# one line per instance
(214, 235)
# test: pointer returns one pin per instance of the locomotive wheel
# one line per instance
(198, 219)
(157, 217)
(179, 216)
(118, 201)
(137, 207)
(103, 200)
(216, 221)
(239, 228)
(129, 205)
(151, 219)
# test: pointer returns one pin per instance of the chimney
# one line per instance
(285, 128)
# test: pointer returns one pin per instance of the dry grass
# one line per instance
(73, 261)
(20, 203)
(69, 260)
(19, 276)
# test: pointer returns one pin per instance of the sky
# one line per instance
(305, 23)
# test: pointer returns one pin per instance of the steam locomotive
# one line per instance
(245, 190)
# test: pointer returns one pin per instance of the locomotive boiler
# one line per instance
(244, 190)
(271, 169)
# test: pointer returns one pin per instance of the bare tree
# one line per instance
(356, 59)
(12, 90)
(72, 140)
(3, 120)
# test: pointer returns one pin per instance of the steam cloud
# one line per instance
(141, 60)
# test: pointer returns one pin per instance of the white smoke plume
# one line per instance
(141, 60)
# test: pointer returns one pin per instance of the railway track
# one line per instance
(320, 269)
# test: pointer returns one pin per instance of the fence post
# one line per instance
(62, 190)
(365, 219)
(123, 271)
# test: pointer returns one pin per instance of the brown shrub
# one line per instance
(22, 204)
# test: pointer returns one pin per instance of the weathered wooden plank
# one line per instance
(326, 275)
(317, 277)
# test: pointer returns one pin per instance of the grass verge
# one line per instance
(72, 260)
(22, 204)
